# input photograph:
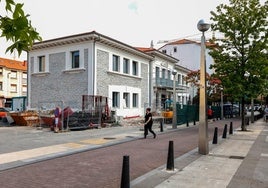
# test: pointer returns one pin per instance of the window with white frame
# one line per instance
(126, 98)
(179, 79)
(13, 74)
(13, 88)
(1, 70)
(135, 100)
(125, 65)
(115, 99)
(163, 73)
(24, 88)
(175, 49)
(169, 74)
(183, 80)
(157, 72)
(75, 59)
(116, 63)
(24, 75)
(41, 64)
(135, 67)
(1, 86)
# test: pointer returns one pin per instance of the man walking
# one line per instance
(148, 123)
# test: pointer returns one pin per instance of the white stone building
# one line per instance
(188, 52)
(162, 79)
(13, 80)
(64, 69)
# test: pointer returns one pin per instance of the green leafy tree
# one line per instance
(241, 57)
(16, 28)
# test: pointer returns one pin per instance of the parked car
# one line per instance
(236, 109)
(230, 110)
(3, 112)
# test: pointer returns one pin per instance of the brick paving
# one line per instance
(101, 168)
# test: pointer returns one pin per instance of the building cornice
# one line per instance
(155, 52)
(87, 37)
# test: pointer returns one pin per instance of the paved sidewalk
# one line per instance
(30, 145)
(22, 145)
(240, 161)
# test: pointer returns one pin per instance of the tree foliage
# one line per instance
(244, 47)
(243, 51)
(16, 27)
(213, 84)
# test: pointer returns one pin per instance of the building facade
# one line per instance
(65, 69)
(188, 52)
(163, 78)
(13, 80)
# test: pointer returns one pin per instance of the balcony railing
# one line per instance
(161, 82)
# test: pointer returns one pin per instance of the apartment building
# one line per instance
(13, 80)
(64, 69)
(163, 67)
(188, 52)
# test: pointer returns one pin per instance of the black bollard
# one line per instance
(125, 180)
(170, 159)
(187, 123)
(231, 128)
(215, 137)
(194, 122)
(161, 125)
(224, 135)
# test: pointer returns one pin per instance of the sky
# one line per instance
(134, 22)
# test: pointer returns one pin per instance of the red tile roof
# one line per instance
(187, 41)
(145, 49)
(13, 64)
(183, 41)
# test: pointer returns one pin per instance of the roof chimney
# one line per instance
(152, 44)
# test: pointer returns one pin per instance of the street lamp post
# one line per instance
(203, 124)
(174, 119)
(221, 103)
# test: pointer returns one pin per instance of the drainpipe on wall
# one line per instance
(150, 83)
(28, 81)
(95, 39)
(93, 62)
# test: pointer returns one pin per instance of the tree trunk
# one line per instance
(252, 110)
(243, 126)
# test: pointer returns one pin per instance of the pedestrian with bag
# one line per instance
(148, 123)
